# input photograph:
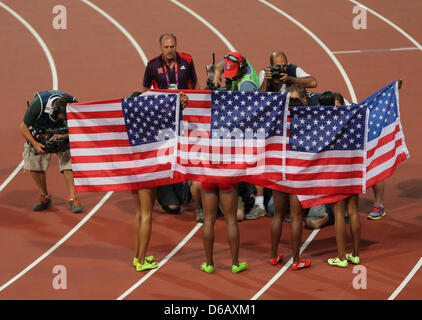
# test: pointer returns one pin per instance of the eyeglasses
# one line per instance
(232, 58)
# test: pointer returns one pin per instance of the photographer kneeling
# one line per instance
(281, 74)
(44, 127)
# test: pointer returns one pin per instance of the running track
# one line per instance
(95, 60)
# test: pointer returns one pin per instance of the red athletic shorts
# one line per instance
(210, 187)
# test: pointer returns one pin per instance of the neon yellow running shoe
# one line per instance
(136, 260)
(337, 262)
(207, 268)
(241, 267)
(352, 259)
(146, 266)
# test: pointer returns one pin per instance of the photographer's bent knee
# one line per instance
(65, 162)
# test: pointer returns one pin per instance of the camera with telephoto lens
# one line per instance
(277, 71)
(43, 136)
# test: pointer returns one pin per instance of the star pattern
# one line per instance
(383, 110)
(149, 118)
(241, 114)
(325, 128)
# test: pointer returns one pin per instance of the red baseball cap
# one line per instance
(232, 62)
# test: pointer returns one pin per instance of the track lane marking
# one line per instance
(285, 267)
(53, 70)
(207, 24)
(162, 262)
(11, 176)
(376, 50)
(108, 194)
(121, 28)
(198, 226)
(322, 45)
(60, 242)
(406, 280)
(404, 33)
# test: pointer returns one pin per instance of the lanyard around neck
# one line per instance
(167, 75)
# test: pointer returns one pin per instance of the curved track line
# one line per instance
(11, 176)
(418, 45)
(40, 41)
(406, 280)
(404, 33)
(163, 262)
(108, 194)
(59, 243)
(323, 46)
(199, 225)
(121, 28)
(206, 23)
(285, 267)
(52, 68)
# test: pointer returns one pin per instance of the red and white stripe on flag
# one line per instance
(199, 157)
(102, 157)
(383, 156)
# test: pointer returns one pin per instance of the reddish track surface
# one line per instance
(96, 61)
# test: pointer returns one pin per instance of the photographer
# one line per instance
(44, 127)
(240, 75)
(281, 74)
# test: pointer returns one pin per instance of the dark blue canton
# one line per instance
(383, 110)
(149, 118)
(241, 114)
(317, 129)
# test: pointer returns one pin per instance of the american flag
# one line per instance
(326, 151)
(386, 146)
(230, 136)
(124, 144)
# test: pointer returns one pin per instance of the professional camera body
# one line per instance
(210, 69)
(43, 136)
(277, 72)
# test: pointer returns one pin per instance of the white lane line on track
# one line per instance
(198, 226)
(206, 23)
(404, 33)
(108, 194)
(418, 45)
(285, 267)
(162, 262)
(11, 176)
(322, 44)
(52, 68)
(60, 242)
(376, 50)
(40, 41)
(121, 28)
(406, 280)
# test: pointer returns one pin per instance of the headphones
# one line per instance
(242, 64)
(61, 104)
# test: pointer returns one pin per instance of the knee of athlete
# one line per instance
(296, 216)
(279, 213)
(145, 216)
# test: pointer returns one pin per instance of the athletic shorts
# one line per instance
(40, 162)
(210, 187)
(167, 196)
